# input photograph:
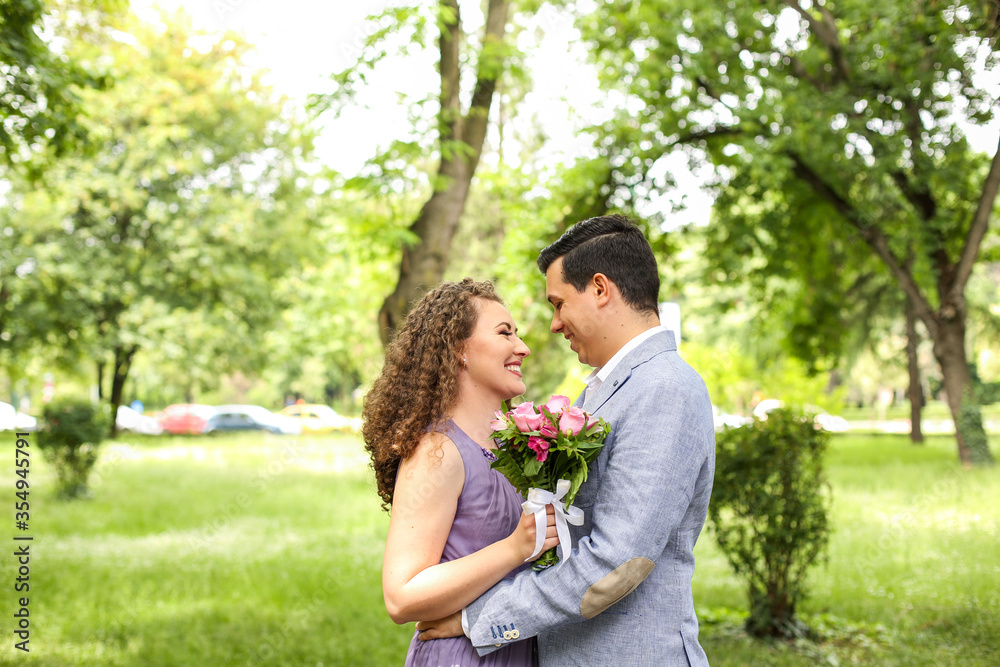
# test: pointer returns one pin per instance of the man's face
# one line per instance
(574, 315)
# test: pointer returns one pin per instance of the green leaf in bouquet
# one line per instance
(566, 464)
(510, 469)
(590, 450)
(564, 443)
(576, 481)
(601, 429)
(532, 467)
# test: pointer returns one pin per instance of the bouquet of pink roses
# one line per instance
(545, 453)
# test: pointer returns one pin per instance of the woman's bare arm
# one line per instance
(416, 585)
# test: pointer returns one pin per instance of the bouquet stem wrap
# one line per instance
(535, 504)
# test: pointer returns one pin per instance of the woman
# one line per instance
(456, 525)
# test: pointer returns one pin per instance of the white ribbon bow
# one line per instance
(535, 504)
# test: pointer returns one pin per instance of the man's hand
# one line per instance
(449, 626)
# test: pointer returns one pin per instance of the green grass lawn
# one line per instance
(934, 410)
(264, 550)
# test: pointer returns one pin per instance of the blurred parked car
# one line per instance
(12, 419)
(185, 417)
(826, 421)
(761, 409)
(320, 418)
(128, 419)
(250, 418)
(832, 423)
(725, 420)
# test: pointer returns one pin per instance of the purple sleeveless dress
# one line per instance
(488, 511)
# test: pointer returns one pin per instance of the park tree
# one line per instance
(470, 67)
(839, 128)
(39, 104)
(188, 208)
(326, 347)
(825, 305)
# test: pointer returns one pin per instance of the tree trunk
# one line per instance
(915, 391)
(100, 380)
(423, 265)
(461, 145)
(123, 362)
(949, 349)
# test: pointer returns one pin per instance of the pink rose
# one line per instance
(572, 421)
(500, 423)
(525, 417)
(540, 446)
(557, 404)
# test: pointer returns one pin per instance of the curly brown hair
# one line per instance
(419, 380)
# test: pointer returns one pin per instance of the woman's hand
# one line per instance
(522, 541)
(524, 535)
(449, 626)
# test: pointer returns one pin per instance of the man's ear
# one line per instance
(602, 287)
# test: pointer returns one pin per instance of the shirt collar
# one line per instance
(599, 375)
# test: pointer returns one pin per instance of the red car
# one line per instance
(185, 417)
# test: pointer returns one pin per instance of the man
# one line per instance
(624, 596)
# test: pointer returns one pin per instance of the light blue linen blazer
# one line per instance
(624, 597)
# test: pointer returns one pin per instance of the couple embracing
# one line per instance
(458, 539)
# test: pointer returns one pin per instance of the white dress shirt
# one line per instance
(597, 377)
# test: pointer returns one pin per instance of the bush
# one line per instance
(70, 434)
(769, 513)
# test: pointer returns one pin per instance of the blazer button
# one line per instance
(514, 634)
(498, 645)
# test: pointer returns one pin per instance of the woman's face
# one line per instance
(493, 353)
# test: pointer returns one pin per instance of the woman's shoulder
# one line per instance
(436, 445)
(435, 455)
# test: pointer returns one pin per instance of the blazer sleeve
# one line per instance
(662, 435)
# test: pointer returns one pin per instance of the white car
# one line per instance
(832, 423)
(128, 419)
(826, 421)
(12, 419)
(725, 420)
(761, 409)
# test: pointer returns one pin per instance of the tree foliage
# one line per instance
(186, 210)
(470, 67)
(39, 83)
(837, 133)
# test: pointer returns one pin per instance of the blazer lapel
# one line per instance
(623, 371)
(593, 403)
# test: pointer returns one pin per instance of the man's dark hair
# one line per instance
(614, 246)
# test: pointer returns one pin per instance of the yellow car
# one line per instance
(320, 418)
